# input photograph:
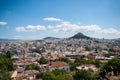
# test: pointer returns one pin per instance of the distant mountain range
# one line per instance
(7, 40)
(76, 36)
(51, 38)
(117, 39)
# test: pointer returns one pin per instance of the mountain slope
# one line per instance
(7, 40)
(51, 38)
(79, 36)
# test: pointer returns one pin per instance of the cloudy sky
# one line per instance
(36, 19)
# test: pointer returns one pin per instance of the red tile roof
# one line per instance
(57, 64)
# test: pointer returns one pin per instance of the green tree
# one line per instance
(96, 63)
(79, 61)
(112, 65)
(4, 75)
(49, 76)
(6, 65)
(64, 77)
(39, 75)
(73, 66)
(64, 59)
(32, 66)
(83, 75)
(59, 72)
(42, 60)
(107, 55)
(9, 54)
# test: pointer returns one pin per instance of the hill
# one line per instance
(7, 40)
(79, 36)
(51, 38)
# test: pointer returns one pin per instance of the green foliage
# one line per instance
(83, 75)
(4, 75)
(39, 75)
(72, 66)
(111, 50)
(80, 61)
(56, 75)
(42, 60)
(112, 65)
(32, 66)
(6, 63)
(64, 77)
(62, 74)
(107, 55)
(64, 59)
(59, 72)
(97, 63)
(9, 54)
(49, 76)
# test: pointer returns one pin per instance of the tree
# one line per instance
(111, 50)
(64, 59)
(49, 76)
(39, 75)
(59, 72)
(96, 63)
(83, 75)
(64, 77)
(9, 54)
(73, 66)
(4, 75)
(79, 61)
(42, 60)
(112, 66)
(107, 55)
(32, 66)
(6, 65)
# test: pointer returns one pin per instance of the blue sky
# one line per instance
(36, 19)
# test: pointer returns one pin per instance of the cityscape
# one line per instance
(59, 40)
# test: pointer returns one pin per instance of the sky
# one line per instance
(37, 19)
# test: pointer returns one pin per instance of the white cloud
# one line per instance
(50, 27)
(67, 26)
(30, 28)
(52, 19)
(21, 29)
(3, 23)
(93, 28)
(110, 31)
(35, 28)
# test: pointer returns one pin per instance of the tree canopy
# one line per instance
(42, 60)
(6, 65)
(83, 75)
(111, 67)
